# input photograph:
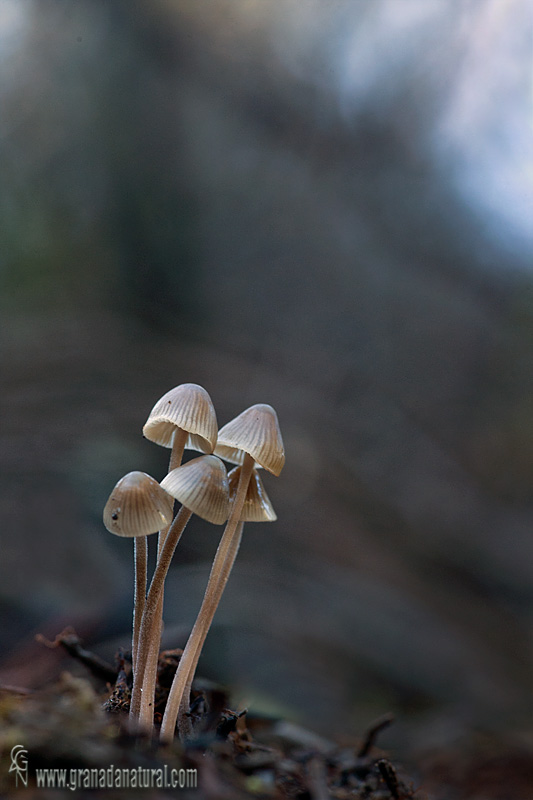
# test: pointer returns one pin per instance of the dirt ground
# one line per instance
(77, 727)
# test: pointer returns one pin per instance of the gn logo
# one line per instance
(19, 764)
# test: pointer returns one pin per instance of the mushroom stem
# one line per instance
(178, 446)
(150, 669)
(150, 620)
(140, 560)
(184, 722)
(218, 578)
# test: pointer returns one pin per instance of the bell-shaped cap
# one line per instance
(138, 506)
(257, 506)
(202, 486)
(190, 408)
(256, 432)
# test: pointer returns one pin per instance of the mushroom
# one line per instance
(183, 417)
(137, 507)
(252, 437)
(201, 485)
(257, 506)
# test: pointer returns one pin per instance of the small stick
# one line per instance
(371, 734)
(14, 689)
(70, 640)
(388, 773)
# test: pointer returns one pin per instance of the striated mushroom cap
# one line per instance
(202, 486)
(257, 506)
(256, 432)
(137, 506)
(188, 407)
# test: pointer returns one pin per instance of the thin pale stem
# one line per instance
(146, 714)
(150, 670)
(209, 604)
(178, 446)
(140, 560)
(150, 620)
(184, 724)
(147, 686)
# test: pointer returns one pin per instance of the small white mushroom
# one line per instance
(137, 507)
(251, 438)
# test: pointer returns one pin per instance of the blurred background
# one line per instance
(324, 206)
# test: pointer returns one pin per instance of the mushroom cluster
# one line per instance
(139, 506)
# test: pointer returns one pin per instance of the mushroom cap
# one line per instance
(256, 432)
(257, 506)
(201, 485)
(188, 407)
(137, 506)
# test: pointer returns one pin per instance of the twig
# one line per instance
(371, 734)
(71, 642)
(388, 773)
(14, 689)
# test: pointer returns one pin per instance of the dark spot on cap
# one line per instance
(114, 516)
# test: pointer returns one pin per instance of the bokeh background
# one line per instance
(325, 206)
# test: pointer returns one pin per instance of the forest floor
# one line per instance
(236, 753)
